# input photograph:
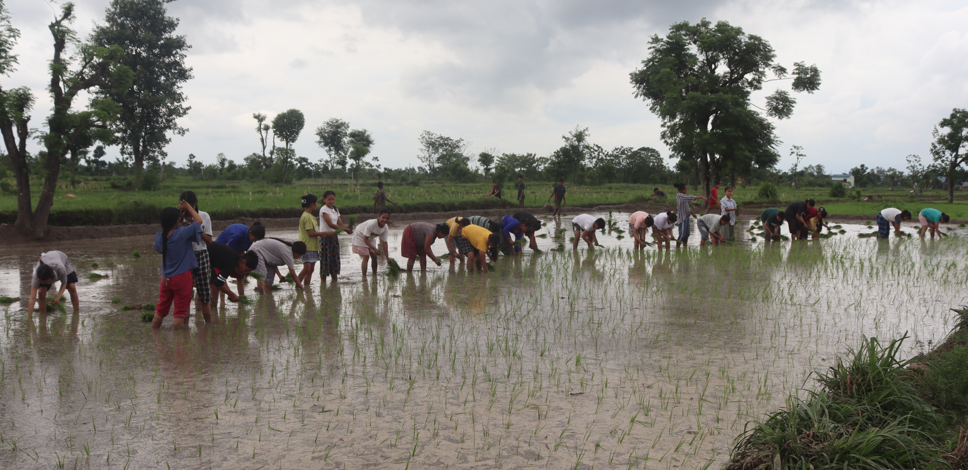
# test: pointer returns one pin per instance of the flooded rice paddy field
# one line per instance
(595, 358)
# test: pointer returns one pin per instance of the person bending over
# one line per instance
(273, 253)
(364, 240)
(662, 227)
(710, 226)
(483, 243)
(418, 238)
(772, 220)
(585, 227)
(639, 223)
(53, 266)
(888, 217)
(227, 263)
(930, 220)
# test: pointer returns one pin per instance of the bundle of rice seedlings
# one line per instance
(58, 306)
(95, 265)
(275, 287)
(7, 300)
(243, 300)
(491, 267)
(115, 300)
(837, 227)
(289, 279)
(352, 219)
(257, 275)
(545, 235)
(841, 231)
(131, 307)
(619, 237)
(393, 269)
(96, 276)
(136, 254)
(147, 317)
(560, 247)
(148, 307)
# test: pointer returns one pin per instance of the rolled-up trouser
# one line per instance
(703, 230)
(883, 227)
(727, 232)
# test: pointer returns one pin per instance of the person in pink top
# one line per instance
(639, 223)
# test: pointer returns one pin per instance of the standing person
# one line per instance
(585, 227)
(639, 223)
(794, 215)
(309, 234)
(521, 191)
(685, 212)
(531, 225)
(227, 263)
(558, 192)
(329, 221)
(713, 200)
(930, 218)
(53, 266)
(772, 220)
(709, 228)
(483, 243)
(662, 227)
(203, 273)
(238, 236)
(728, 206)
(380, 199)
(364, 240)
(174, 242)
(273, 253)
(888, 217)
(495, 190)
(417, 240)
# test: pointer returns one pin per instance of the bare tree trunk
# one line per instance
(161, 175)
(17, 149)
(732, 178)
(951, 180)
(74, 158)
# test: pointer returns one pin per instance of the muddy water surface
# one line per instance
(605, 357)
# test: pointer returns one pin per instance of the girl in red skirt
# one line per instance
(417, 239)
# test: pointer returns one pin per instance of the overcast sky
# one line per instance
(514, 75)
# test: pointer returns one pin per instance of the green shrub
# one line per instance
(768, 193)
(7, 187)
(149, 182)
(945, 382)
(838, 190)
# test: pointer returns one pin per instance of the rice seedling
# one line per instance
(95, 265)
(115, 300)
(244, 300)
(136, 254)
(393, 269)
(96, 276)
(8, 300)
(148, 307)
(147, 317)
(58, 306)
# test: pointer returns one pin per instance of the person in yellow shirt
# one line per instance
(482, 241)
(309, 235)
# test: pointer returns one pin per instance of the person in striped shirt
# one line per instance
(684, 211)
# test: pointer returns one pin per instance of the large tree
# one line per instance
(287, 126)
(360, 142)
(332, 137)
(698, 80)
(97, 68)
(434, 146)
(949, 146)
(150, 109)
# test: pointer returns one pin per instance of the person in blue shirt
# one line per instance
(238, 236)
(177, 262)
(930, 219)
(511, 226)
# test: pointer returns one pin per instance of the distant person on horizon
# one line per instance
(521, 191)
(380, 199)
(495, 190)
(658, 194)
(888, 217)
(930, 218)
(558, 192)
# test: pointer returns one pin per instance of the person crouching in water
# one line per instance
(227, 263)
(662, 225)
(710, 226)
(483, 244)
(174, 242)
(585, 227)
(273, 253)
(772, 219)
(417, 240)
(888, 217)
(639, 223)
(53, 266)
(364, 240)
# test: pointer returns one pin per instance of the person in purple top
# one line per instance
(511, 226)
(238, 236)
(177, 262)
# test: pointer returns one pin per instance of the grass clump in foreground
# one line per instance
(873, 411)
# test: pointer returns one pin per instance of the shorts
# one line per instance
(268, 270)
(703, 230)
(310, 257)
(361, 250)
(923, 220)
(576, 228)
(463, 245)
(203, 276)
(557, 204)
(71, 279)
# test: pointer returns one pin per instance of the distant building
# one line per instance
(847, 179)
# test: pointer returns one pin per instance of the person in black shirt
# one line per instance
(794, 217)
(559, 194)
(225, 263)
(495, 190)
(521, 191)
(529, 224)
(658, 194)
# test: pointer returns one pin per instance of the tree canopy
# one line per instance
(949, 146)
(287, 126)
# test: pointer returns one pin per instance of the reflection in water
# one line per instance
(546, 359)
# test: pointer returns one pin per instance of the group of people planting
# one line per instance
(192, 260)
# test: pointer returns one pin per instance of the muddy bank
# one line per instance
(11, 236)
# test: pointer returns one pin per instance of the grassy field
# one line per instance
(97, 204)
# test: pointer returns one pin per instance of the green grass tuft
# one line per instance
(115, 300)
(96, 276)
(136, 254)
(393, 269)
(95, 265)
(147, 317)
(8, 300)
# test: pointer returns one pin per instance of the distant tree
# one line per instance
(432, 146)
(508, 165)
(949, 146)
(360, 142)
(862, 176)
(78, 149)
(486, 160)
(98, 67)
(222, 161)
(287, 126)
(796, 152)
(94, 160)
(699, 79)
(332, 137)
(265, 133)
(150, 109)
(194, 166)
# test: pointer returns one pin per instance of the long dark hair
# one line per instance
(190, 198)
(169, 217)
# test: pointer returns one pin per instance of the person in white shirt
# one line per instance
(585, 227)
(888, 217)
(201, 275)
(710, 226)
(364, 240)
(662, 225)
(53, 266)
(728, 206)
